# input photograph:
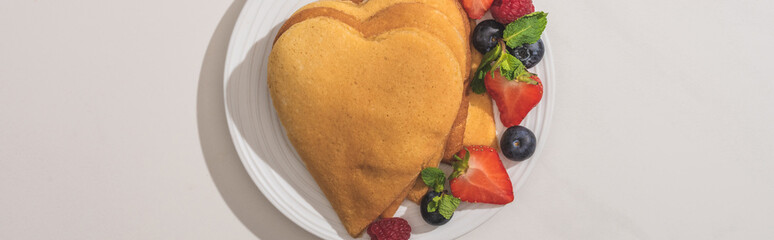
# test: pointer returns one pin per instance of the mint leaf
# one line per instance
(526, 29)
(491, 55)
(510, 66)
(432, 206)
(447, 205)
(477, 84)
(434, 178)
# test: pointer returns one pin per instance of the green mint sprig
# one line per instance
(445, 204)
(525, 30)
(477, 84)
(434, 178)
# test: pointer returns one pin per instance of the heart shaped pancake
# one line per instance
(378, 16)
(451, 8)
(400, 15)
(363, 112)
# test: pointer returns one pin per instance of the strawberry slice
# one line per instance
(476, 8)
(480, 177)
(514, 98)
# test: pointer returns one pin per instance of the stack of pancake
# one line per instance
(371, 93)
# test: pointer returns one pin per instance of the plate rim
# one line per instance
(250, 167)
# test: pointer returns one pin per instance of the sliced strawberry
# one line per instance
(514, 98)
(480, 177)
(476, 8)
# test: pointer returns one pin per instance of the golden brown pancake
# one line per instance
(480, 129)
(451, 8)
(353, 109)
(382, 15)
(479, 123)
(475, 56)
(455, 142)
(400, 15)
(390, 211)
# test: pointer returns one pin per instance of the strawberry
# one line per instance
(480, 177)
(514, 98)
(476, 8)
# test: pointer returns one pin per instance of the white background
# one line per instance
(112, 124)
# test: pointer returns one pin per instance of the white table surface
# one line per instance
(112, 124)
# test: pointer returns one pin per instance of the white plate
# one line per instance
(273, 163)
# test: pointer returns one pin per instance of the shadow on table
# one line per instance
(236, 188)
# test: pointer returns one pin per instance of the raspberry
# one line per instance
(506, 11)
(390, 229)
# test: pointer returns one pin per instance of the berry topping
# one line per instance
(390, 229)
(529, 54)
(486, 35)
(518, 143)
(525, 30)
(476, 8)
(506, 11)
(480, 177)
(434, 217)
(437, 207)
(514, 98)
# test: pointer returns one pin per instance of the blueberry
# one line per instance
(529, 54)
(518, 143)
(486, 35)
(432, 218)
